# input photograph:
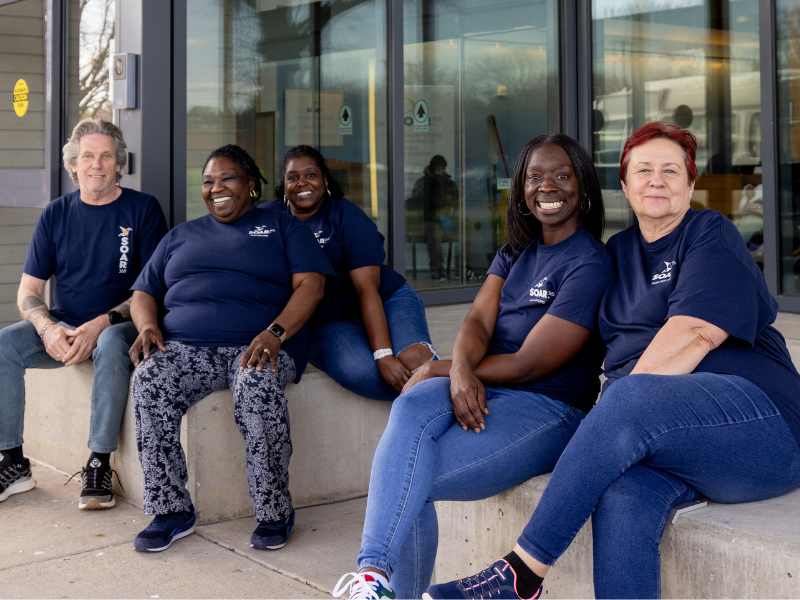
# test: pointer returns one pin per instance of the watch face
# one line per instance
(277, 330)
(115, 317)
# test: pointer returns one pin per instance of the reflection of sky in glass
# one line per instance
(205, 23)
(603, 9)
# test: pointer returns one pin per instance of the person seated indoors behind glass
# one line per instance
(237, 287)
(369, 333)
(94, 241)
(525, 371)
(701, 398)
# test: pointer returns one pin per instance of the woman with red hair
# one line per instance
(701, 397)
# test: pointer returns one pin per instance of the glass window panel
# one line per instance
(91, 44)
(22, 72)
(695, 63)
(788, 55)
(487, 72)
(268, 75)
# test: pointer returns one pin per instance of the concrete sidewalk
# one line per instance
(50, 549)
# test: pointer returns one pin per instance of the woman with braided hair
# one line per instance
(236, 287)
(369, 333)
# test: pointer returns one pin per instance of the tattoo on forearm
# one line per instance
(29, 302)
(37, 315)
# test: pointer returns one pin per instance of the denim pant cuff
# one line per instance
(11, 445)
(376, 564)
(102, 449)
(538, 554)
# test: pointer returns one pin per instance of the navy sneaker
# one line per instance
(163, 530)
(272, 536)
(15, 478)
(498, 581)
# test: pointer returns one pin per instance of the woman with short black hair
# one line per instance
(237, 287)
(369, 333)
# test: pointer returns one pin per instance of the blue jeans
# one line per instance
(342, 349)
(21, 349)
(424, 456)
(651, 442)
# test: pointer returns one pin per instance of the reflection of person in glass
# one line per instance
(436, 192)
(369, 333)
(237, 287)
(524, 373)
(702, 398)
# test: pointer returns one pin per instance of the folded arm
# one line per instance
(679, 346)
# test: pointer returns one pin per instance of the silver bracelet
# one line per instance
(41, 333)
(378, 354)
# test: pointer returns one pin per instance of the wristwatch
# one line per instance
(278, 331)
(115, 317)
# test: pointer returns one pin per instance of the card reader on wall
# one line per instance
(123, 70)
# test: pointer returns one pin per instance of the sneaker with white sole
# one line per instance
(96, 491)
(364, 586)
(274, 535)
(15, 478)
(163, 530)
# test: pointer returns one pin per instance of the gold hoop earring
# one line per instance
(524, 214)
(285, 201)
(253, 194)
(327, 189)
(589, 205)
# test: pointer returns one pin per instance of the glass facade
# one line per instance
(270, 75)
(788, 101)
(480, 80)
(446, 93)
(695, 63)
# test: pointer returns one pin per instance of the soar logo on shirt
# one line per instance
(322, 240)
(261, 231)
(539, 294)
(665, 275)
(124, 248)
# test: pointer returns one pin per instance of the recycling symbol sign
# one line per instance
(345, 120)
(420, 114)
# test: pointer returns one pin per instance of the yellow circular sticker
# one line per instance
(21, 98)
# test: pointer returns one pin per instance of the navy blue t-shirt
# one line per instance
(566, 280)
(223, 284)
(702, 269)
(351, 241)
(95, 252)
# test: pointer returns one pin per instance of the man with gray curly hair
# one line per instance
(95, 242)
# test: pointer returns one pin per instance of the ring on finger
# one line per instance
(58, 357)
(268, 352)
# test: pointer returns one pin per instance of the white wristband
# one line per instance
(378, 354)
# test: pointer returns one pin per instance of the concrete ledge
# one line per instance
(334, 434)
(747, 550)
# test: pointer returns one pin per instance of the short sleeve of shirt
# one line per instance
(39, 260)
(579, 295)
(362, 242)
(501, 265)
(155, 229)
(302, 250)
(715, 285)
(151, 280)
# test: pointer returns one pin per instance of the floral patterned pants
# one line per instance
(164, 387)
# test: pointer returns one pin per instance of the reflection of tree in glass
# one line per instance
(96, 19)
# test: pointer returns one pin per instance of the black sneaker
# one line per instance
(438, 274)
(16, 478)
(272, 536)
(163, 530)
(96, 482)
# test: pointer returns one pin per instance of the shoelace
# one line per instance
(483, 584)
(359, 587)
(10, 474)
(84, 473)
